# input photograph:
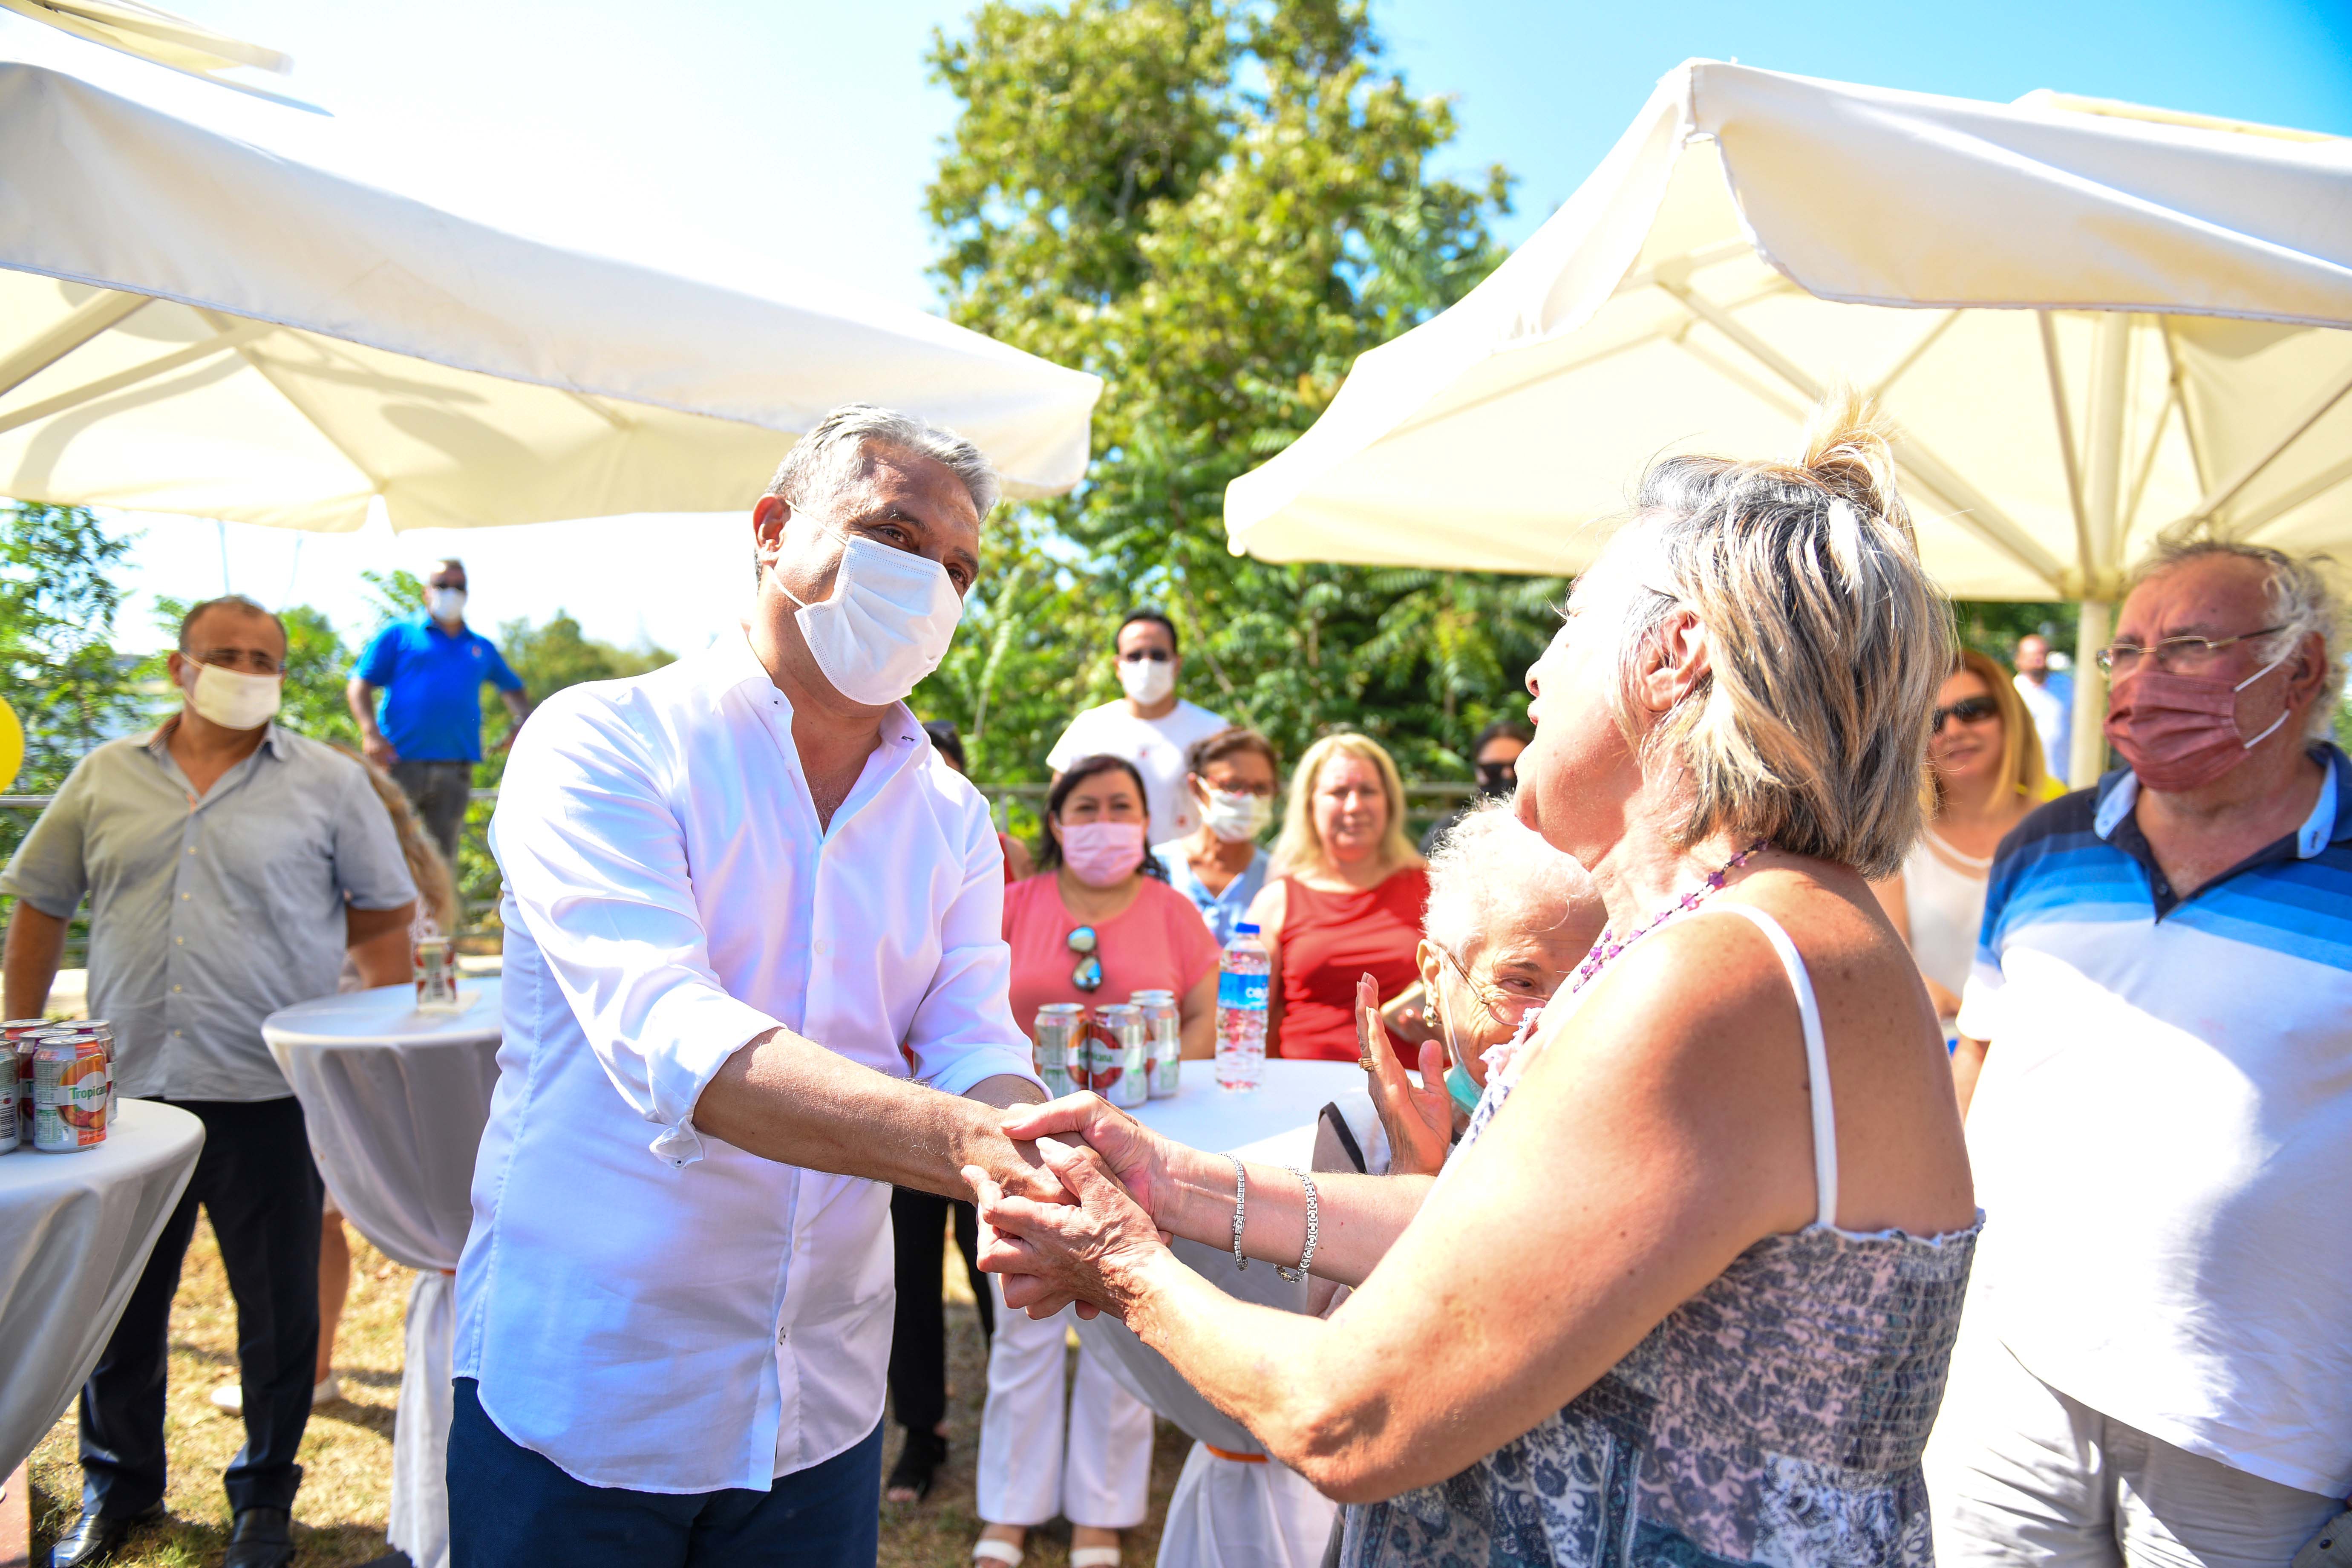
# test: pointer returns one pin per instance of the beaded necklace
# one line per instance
(1606, 947)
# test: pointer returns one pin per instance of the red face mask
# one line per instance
(2180, 731)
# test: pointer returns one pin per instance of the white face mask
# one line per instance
(444, 604)
(889, 623)
(234, 699)
(1234, 817)
(1148, 680)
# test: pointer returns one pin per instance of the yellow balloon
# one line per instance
(11, 745)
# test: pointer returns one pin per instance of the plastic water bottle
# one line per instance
(1242, 973)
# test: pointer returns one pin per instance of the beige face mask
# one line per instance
(234, 699)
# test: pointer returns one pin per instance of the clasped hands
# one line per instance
(1092, 1243)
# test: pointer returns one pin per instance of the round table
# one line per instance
(75, 1233)
(396, 1099)
(1242, 1509)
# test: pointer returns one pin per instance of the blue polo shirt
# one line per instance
(431, 711)
(2162, 1132)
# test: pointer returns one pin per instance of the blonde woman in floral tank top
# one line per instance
(1685, 1294)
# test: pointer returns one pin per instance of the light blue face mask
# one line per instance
(1461, 1089)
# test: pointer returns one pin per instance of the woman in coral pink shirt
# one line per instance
(1094, 926)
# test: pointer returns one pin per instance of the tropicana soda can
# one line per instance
(1163, 1028)
(72, 1091)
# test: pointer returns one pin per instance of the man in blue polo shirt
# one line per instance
(428, 671)
(2155, 1066)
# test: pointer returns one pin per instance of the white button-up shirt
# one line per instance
(644, 1304)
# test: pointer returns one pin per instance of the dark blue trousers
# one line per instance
(256, 1179)
(508, 1506)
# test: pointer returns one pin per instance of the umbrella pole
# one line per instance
(2086, 735)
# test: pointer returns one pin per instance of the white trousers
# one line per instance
(1101, 1476)
(2020, 1474)
(1231, 1513)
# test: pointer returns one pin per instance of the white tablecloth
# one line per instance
(75, 1232)
(1226, 1513)
(397, 1100)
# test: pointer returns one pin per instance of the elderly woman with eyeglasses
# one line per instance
(1095, 925)
(1508, 918)
(1673, 1300)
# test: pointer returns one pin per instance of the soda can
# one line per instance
(20, 1034)
(101, 1031)
(1061, 1028)
(72, 1089)
(1119, 1055)
(437, 972)
(1163, 1029)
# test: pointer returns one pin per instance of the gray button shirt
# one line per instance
(206, 916)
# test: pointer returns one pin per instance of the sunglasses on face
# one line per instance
(1967, 711)
(1089, 975)
(1136, 655)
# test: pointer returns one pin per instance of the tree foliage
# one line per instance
(1215, 206)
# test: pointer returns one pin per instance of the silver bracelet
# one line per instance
(1307, 1256)
(1241, 1199)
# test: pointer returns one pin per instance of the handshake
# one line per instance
(1087, 1214)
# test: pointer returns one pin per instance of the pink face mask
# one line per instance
(1102, 854)
(2181, 732)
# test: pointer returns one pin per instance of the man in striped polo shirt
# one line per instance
(2155, 1065)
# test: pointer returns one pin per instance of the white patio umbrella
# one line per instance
(2091, 323)
(190, 324)
(175, 42)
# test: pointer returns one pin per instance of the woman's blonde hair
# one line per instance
(1826, 641)
(436, 889)
(2020, 744)
(1299, 848)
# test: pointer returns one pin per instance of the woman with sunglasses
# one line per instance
(1985, 773)
(1097, 924)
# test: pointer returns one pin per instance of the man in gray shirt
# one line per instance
(228, 864)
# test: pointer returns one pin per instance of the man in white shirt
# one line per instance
(1150, 726)
(2155, 1066)
(736, 886)
(2049, 697)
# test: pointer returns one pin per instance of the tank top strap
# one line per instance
(1817, 1056)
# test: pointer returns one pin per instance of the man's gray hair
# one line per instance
(830, 460)
(2304, 603)
(237, 602)
(1488, 861)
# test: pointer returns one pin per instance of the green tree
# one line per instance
(1216, 207)
(58, 599)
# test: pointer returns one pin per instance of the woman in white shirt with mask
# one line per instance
(1233, 777)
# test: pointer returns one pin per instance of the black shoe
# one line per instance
(96, 1537)
(918, 1463)
(261, 1538)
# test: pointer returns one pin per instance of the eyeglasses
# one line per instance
(1501, 1005)
(1967, 711)
(1088, 974)
(1136, 655)
(239, 659)
(2174, 655)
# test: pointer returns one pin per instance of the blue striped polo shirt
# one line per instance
(2162, 1132)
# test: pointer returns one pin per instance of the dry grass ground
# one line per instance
(347, 1450)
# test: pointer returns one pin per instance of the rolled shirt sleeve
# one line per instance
(964, 1032)
(595, 867)
(49, 870)
(370, 869)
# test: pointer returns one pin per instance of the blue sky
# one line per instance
(748, 143)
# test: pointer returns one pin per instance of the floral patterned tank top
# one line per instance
(1776, 1417)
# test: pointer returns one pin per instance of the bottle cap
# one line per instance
(1246, 929)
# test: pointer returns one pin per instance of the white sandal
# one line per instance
(987, 1551)
(1094, 1557)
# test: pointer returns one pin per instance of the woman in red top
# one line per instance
(1345, 899)
(1092, 927)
